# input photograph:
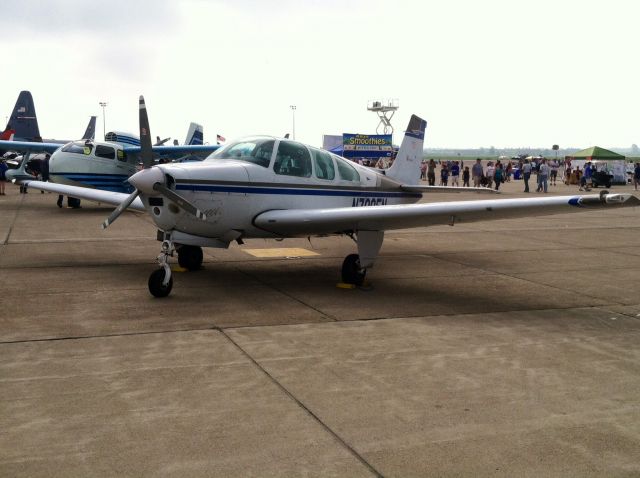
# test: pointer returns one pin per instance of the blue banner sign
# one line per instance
(367, 145)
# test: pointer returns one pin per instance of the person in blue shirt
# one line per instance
(444, 175)
(585, 180)
(455, 174)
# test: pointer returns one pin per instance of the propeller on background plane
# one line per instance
(160, 142)
(150, 179)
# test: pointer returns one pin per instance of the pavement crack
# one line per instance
(306, 409)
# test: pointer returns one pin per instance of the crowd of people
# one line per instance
(492, 175)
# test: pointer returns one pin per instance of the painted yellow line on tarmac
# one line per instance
(281, 252)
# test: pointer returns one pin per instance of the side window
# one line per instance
(122, 156)
(347, 172)
(324, 165)
(293, 159)
(105, 152)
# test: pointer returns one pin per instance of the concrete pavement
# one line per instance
(504, 348)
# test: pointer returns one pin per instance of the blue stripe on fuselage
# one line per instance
(293, 191)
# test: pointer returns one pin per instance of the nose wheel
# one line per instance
(160, 280)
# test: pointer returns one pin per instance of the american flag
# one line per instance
(220, 139)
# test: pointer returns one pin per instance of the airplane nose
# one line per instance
(144, 180)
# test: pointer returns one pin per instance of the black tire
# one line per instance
(351, 273)
(155, 284)
(608, 185)
(190, 257)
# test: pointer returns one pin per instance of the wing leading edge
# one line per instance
(90, 194)
(303, 222)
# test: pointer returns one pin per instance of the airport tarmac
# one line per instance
(505, 348)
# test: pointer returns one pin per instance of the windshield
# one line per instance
(253, 150)
(78, 148)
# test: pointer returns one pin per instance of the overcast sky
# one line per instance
(482, 73)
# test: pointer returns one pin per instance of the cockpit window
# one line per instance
(293, 159)
(324, 164)
(253, 150)
(347, 172)
(78, 148)
(105, 152)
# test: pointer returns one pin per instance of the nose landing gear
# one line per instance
(160, 280)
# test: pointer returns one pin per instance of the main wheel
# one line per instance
(190, 257)
(156, 287)
(351, 272)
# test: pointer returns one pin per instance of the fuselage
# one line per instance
(92, 164)
(268, 174)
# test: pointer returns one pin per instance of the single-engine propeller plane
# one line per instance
(266, 187)
(102, 164)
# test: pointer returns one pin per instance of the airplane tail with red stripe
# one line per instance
(23, 123)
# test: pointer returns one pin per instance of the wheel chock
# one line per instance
(344, 285)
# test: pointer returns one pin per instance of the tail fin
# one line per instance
(90, 132)
(406, 166)
(195, 134)
(23, 121)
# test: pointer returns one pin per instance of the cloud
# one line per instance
(97, 18)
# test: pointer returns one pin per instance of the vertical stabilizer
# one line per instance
(90, 132)
(406, 166)
(195, 134)
(23, 123)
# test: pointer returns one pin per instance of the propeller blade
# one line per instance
(160, 142)
(121, 207)
(179, 200)
(146, 152)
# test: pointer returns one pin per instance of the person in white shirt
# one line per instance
(543, 176)
(554, 172)
(491, 170)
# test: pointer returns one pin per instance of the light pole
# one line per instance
(104, 122)
(293, 112)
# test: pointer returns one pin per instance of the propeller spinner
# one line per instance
(151, 180)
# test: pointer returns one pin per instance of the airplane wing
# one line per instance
(304, 222)
(90, 194)
(31, 147)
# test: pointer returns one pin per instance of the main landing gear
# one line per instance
(190, 257)
(354, 267)
(352, 273)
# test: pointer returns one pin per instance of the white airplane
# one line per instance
(101, 164)
(265, 187)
